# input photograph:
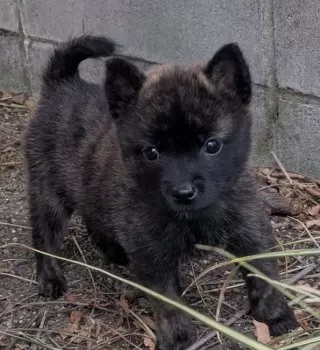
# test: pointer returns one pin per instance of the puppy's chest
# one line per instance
(207, 233)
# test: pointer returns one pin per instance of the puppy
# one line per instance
(154, 162)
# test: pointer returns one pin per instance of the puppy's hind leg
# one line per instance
(112, 251)
(49, 218)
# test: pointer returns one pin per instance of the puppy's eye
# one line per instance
(212, 146)
(151, 153)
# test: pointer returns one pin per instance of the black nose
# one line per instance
(184, 193)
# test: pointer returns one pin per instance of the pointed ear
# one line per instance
(229, 73)
(122, 85)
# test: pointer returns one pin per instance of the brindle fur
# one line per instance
(84, 151)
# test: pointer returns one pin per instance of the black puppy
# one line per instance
(155, 162)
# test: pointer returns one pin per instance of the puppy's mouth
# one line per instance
(190, 212)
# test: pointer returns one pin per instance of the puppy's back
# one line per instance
(70, 121)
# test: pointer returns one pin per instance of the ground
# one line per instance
(100, 313)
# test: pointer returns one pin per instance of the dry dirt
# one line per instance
(100, 313)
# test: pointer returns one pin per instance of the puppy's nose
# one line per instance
(185, 192)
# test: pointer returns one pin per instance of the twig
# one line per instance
(278, 205)
(313, 192)
(238, 285)
(23, 337)
(199, 291)
(301, 274)
(18, 277)
(90, 273)
(10, 163)
(144, 325)
(221, 296)
(4, 130)
(53, 302)
(3, 223)
(29, 324)
(281, 167)
(314, 275)
(13, 105)
(7, 311)
(121, 336)
(237, 316)
(306, 229)
(202, 341)
(54, 342)
(212, 334)
(34, 347)
(14, 225)
(10, 144)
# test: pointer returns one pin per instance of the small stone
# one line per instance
(15, 239)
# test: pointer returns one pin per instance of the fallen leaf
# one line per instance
(302, 317)
(314, 211)
(75, 317)
(149, 322)
(86, 332)
(73, 297)
(313, 223)
(124, 304)
(265, 171)
(262, 332)
(149, 343)
(73, 324)
(19, 99)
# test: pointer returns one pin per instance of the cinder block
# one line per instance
(184, 30)
(93, 70)
(262, 126)
(297, 136)
(297, 32)
(8, 18)
(11, 65)
(55, 20)
(38, 54)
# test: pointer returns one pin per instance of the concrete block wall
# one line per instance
(281, 40)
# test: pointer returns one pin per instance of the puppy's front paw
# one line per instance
(175, 333)
(276, 313)
(287, 322)
(52, 282)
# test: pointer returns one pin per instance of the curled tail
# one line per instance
(63, 63)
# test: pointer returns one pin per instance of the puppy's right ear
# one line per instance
(122, 85)
(229, 72)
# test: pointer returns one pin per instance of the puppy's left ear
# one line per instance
(229, 73)
(122, 85)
